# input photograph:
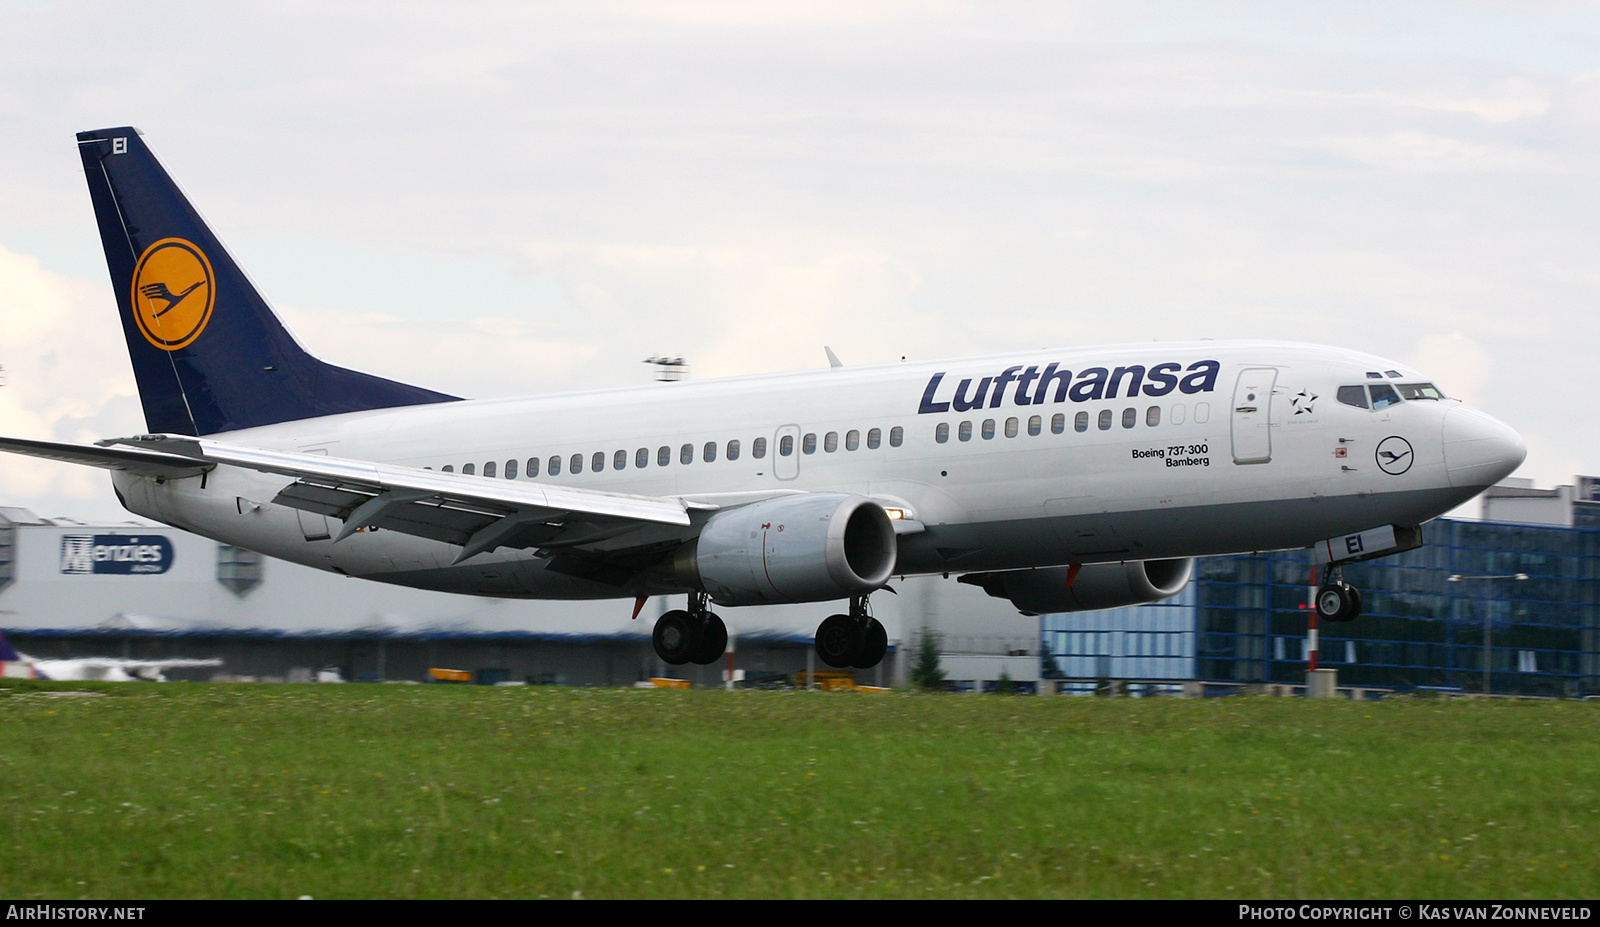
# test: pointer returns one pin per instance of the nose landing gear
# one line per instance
(1337, 600)
(693, 636)
(855, 640)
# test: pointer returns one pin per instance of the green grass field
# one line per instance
(272, 791)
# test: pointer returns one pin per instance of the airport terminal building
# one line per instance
(1516, 595)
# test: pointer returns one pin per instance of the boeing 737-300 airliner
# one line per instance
(1061, 480)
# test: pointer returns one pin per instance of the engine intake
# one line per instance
(1097, 585)
(804, 548)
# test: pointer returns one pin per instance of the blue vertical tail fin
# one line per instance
(208, 352)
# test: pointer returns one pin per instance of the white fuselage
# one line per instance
(1253, 452)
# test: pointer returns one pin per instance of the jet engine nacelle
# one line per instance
(1097, 585)
(803, 548)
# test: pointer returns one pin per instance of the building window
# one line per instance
(238, 569)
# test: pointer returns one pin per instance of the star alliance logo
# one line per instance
(1301, 402)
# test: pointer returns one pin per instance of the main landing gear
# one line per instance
(855, 640)
(1337, 600)
(693, 636)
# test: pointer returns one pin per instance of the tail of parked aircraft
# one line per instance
(208, 352)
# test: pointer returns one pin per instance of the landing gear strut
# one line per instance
(1337, 600)
(855, 640)
(693, 636)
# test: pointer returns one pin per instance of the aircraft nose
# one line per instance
(1479, 450)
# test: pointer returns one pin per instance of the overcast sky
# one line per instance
(494, 199)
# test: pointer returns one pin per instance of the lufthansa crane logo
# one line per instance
(1394, 455)
(174, 292)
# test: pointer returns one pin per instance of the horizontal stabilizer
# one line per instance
(132, 459)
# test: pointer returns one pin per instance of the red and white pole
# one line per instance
(1311, 625)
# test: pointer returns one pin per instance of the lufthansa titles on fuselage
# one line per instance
(1034, 386)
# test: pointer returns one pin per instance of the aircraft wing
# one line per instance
(132, 459)
(477, 513)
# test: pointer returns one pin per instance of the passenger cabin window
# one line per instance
(511, 469)
(733, 449)
(619, 460)
(575, 465)
(1035, 425)
(709, 452)
(1383, 395)
(808, 444)
(852, 440)
(1152, 416)
(786, 446)
(830, 442)
(966, 431)
(641, 458)
(489, 469)
(1177, 413)
(686, 454)
(758, 448)
(469, 469)
(988, 429)
(663, 456)
(1419, 391)
(874, 438)
(555, 466)
(1353, 396)
(942, 433)
(1011, 428)
(533, 467)
(897, 436)
(1105, 419)
(598, 461)
(1130, 417)
(1080, 422)
(448, 468)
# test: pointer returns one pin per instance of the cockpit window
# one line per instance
(1353, 396)
(1383, 395)
(1420, 391)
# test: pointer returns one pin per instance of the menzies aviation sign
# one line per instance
(115, 553)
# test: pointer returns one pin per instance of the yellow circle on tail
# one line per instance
(174, 292)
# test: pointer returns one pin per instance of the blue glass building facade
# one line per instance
(1425, 617)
